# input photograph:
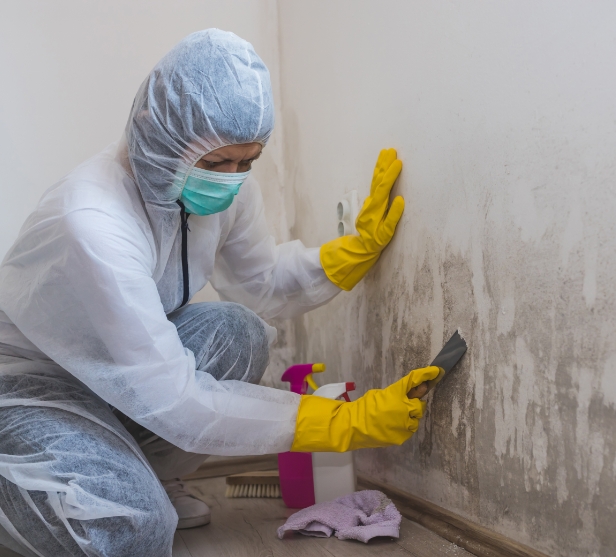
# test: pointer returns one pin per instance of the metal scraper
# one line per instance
(446, 359)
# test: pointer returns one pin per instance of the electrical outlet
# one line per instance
(347, 210)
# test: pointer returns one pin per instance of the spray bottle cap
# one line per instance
(300, 376)
(336, 390)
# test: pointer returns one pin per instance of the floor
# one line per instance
(247, 527)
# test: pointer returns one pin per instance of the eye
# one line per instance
(206, 164)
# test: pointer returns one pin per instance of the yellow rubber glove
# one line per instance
(380, 418)
(347, 259)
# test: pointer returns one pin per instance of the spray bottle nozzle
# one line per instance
(300, 377)
(336, 390)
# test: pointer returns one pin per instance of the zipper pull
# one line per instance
(183, 216)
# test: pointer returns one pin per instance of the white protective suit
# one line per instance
(86, 287)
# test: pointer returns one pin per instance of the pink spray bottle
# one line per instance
(295, 469)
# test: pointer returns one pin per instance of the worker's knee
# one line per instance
(244, 345)
(229, 341)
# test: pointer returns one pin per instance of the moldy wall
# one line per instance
(504, 116)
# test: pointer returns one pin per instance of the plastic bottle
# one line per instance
(333, 473)
(295, 469)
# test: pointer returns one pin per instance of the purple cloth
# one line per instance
(362, 515)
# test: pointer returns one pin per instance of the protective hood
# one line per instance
(209, 91)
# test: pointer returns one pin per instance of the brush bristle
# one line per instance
(253, 484)
(253, 490)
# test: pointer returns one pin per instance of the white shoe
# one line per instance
(191, 511)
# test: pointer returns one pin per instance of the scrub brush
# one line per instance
(254, 484)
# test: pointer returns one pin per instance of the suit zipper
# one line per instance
(184, 218)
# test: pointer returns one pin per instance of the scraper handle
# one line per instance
(423, 389)
(419, 391)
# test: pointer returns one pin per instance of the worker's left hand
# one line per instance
(347, 259)
(380, 418)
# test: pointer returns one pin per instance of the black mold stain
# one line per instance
(533, 451)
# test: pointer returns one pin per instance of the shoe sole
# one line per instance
(193, 522)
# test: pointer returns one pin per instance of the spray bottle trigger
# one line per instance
(311, 382)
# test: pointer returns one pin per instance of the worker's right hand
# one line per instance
(380, 418)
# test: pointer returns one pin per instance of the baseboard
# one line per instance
(216, 467)
(476, 539)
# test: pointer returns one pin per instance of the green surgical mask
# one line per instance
(206, 192)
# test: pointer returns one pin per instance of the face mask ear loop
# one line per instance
(186, 175)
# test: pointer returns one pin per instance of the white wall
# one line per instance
(70, 70)
(504, 114)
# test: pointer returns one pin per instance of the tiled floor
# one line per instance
(247, 528)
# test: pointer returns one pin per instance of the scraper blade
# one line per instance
(446, 359)
(451, 353)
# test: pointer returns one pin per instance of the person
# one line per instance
(110, 381)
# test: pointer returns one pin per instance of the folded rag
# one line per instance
(362, 515)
